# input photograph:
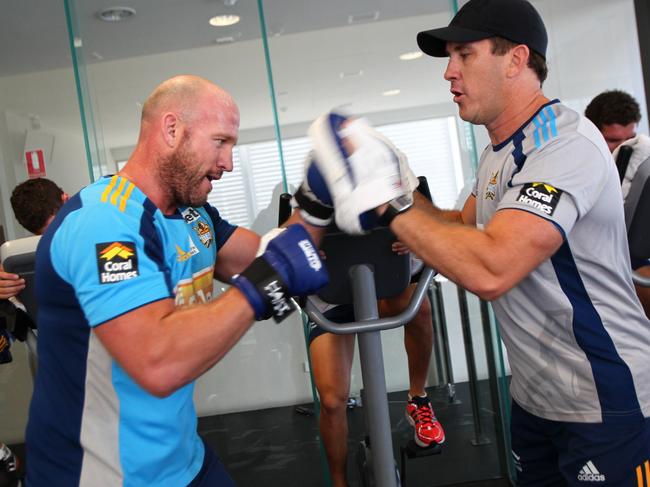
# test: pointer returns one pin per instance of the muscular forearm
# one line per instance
(450, 216)
(163, 347)
(202, 336)
(489, 261)
(459, 252)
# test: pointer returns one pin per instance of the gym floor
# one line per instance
(281, 446)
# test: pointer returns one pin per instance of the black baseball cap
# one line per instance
(514, 20)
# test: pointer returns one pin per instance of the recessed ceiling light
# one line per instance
(363, 17)
(116, 14)
(351, 74)
(224, 40)
(391, 92)
(410, 56)
(224, 20)
(228, 39)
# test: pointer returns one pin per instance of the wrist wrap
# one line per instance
(265, 290)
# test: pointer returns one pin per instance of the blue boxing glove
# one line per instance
(287, 265)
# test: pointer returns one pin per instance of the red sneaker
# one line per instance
(420, 415)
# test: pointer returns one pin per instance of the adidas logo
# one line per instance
(589, 473)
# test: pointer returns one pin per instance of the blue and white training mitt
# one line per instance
(358, 182)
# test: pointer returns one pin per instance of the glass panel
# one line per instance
(40, 134)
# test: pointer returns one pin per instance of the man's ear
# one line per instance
(65, 197)
(518, 60)
(171, 129)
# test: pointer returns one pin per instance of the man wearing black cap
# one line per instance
(543, 237)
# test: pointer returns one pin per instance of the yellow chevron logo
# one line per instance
(547, 187)
(116, 249)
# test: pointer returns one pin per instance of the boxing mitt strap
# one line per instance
(311, 206)
(261, 276)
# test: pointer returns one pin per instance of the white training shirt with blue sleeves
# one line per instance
(110, 251)
(577, 339)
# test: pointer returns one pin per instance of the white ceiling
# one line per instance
(33, 33)
(311, 44)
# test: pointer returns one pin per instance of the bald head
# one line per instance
(182, 95)
(188, 131)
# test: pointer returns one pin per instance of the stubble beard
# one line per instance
(179, 177)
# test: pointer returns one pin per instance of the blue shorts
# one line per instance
(638, 263)
(212, 473)
(343, 313)
(556, 453)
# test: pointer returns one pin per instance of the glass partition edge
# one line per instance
(94, 154)
(269, 75)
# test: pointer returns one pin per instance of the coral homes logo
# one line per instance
(541, 196)
(116, 261)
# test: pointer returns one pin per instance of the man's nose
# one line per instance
(451, 72)
(225, 161)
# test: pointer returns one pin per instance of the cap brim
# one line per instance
(434, 42)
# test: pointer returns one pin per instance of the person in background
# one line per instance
(617, 115)
(34, 203)
(331, 361)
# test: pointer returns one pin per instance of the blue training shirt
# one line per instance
(110, 251)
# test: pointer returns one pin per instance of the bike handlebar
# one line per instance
(374, 324)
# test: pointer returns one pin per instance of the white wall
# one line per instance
(41, 102)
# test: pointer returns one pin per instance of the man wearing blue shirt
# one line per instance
(127, 319)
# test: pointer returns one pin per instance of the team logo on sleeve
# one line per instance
(116, 261)
(202, 229)
(491, 190)
(540, 196)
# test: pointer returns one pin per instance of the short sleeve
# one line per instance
(222, 229)
(560, 183)
(113, 260)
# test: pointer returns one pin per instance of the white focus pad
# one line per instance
(361, 167)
